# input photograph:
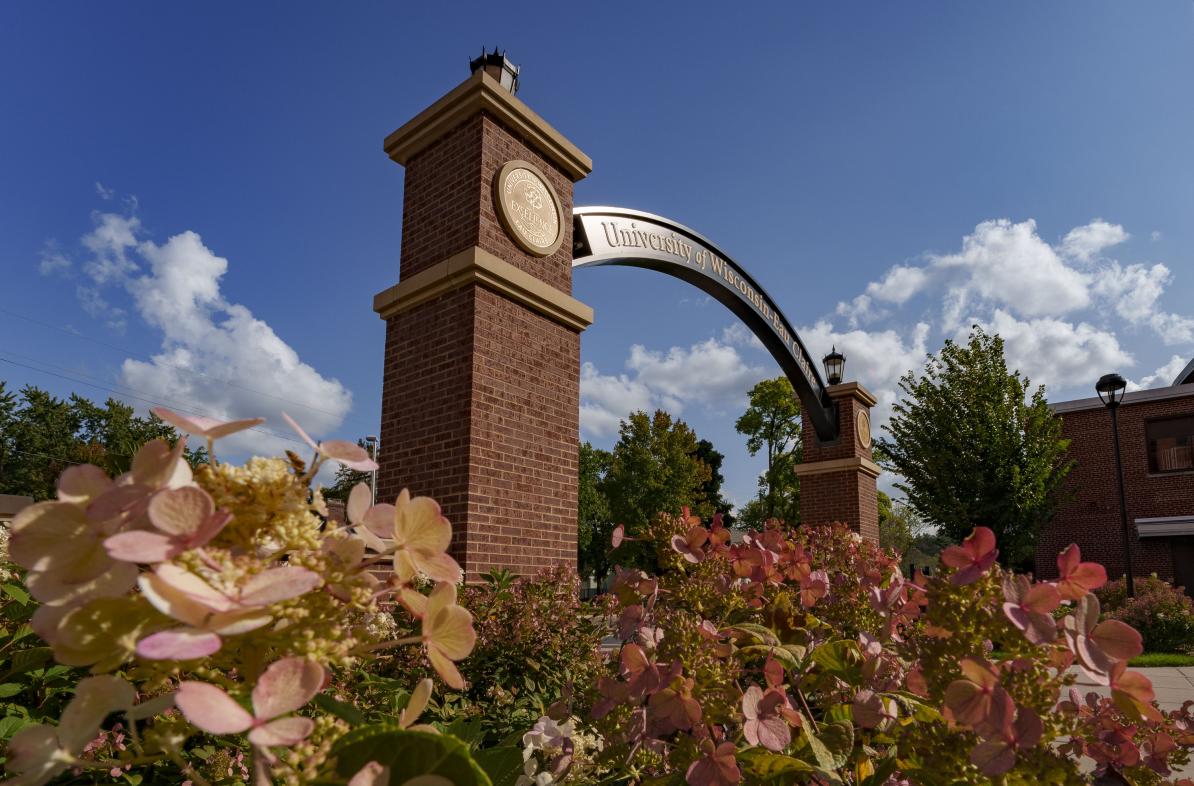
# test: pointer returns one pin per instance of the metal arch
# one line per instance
(632, 238)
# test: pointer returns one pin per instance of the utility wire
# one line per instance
(183, 410)
(158, 361)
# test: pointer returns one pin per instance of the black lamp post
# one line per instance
(835, 366)
(1111, 388)
(497, 65)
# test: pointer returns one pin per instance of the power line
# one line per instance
(158, 361)
(183, 410)
(52, 458)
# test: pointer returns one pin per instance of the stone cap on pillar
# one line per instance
(852, 390)
(482, 93)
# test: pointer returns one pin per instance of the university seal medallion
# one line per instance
(528, 208)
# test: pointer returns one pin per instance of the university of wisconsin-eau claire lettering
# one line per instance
(630, 234)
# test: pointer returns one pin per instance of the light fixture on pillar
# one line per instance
(1110, 388)
(497, 65)
(835, 366)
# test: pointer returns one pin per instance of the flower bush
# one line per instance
(806, 657)
(1163, 613)
(537, 644)
(215, 605)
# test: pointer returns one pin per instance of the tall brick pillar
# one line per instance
(480, 396)
(837, 479)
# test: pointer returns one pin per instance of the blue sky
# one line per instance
(195, 206)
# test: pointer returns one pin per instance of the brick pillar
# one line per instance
(837, 479)
(481, 386)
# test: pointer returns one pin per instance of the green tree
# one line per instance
(41, 435)
(653, 469)
(346, 479)
(974, 448)
(713, 501)
(772, 423)
(594, 524)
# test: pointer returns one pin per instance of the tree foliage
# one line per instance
(41, 435)
(653, 468)
(771, 423)
(974, 448)
(593, 519)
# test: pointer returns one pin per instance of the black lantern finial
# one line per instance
(497, 65)
(835, 366)
(1110, 388)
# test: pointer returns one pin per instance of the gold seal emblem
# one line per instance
(862, 429)
(529, 208)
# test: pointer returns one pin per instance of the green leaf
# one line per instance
(769, 767)
(761, 632)
(408, 754)
(11, 724)
(838, 738)
(503, 765)
(16, 592)
(27, 660)
(10, 689)
(342, 710)
(467, 730)
(839, 658)
(785, 658)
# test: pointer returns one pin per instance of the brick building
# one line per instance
(1156, 432)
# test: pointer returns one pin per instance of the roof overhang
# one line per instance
(1165, 526)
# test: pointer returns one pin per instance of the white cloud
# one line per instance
(1163, 376)
(1085, 242)
(1133, 290)
(104, 193)
(114, 235)
(739, 335)
(216, 358)
(711, 374)
(53, 262)
(877, 359)
(1009, 265)
(1053, 352)
(96, 306)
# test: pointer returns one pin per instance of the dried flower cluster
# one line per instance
(808, 657)
(225, 597)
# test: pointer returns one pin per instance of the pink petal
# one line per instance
(299, 430)
(82, 483)
(285, 686)
(185, 644)
(278, 584)
(617, 536)
(372, 774)
(95, 698)
(1118, 639)
(993, 757)
(180, 512)
(211, 709)
(350, 454)
(283, 731)
(359, 501)
(142, 546)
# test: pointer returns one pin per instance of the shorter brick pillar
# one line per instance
(837, 479)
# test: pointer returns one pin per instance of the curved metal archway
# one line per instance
(619, 236)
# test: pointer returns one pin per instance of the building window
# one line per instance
(1170, 445)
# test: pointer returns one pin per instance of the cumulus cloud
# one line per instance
(215, 358)
(711, 374)
(1084, 243)
(1163, 376)
(1053, 352)
(875, 358)
(53, 262)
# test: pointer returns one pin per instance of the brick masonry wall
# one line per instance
(848, 496)
(1091, 516)
(480, 398)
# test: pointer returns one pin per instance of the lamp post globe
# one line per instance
(1110, 388)
(835, 366)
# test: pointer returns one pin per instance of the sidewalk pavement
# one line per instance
(1173, 684)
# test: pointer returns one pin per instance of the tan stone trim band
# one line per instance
(478, 266)
(483, 93)
(856, 463)
(854, 390)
